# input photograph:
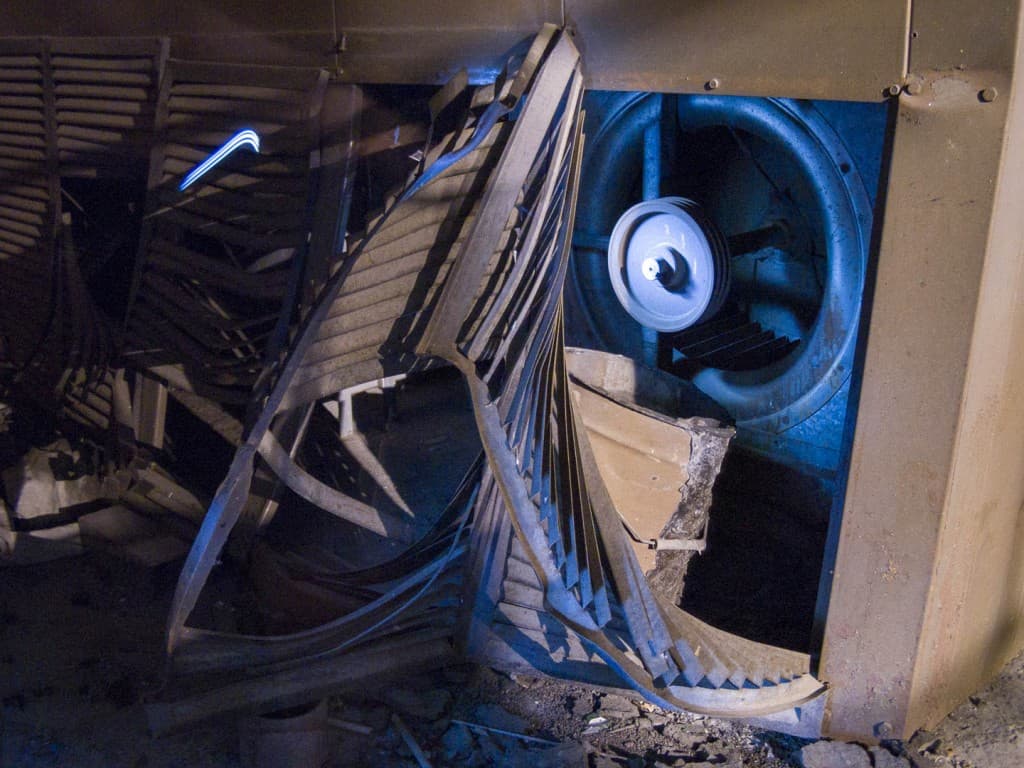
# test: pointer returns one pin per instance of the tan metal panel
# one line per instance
(439, 18)
(284, 49)
(387, 41)
(926, 598)
(402, 42)
(295, 34)
(974, 621)
(836, 49)
(223, 18)
(831, 50)
(949, 34)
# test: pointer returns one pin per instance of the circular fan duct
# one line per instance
(763, 318)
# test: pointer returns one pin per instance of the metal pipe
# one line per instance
(652, 191)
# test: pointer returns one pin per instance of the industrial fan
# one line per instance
(725, 240)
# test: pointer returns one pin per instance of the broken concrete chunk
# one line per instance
(116, 524)
(717, 761)
(556, 757)
(583, 706)
(834, 754)
(155, 492)
(27, 548)
(457, 744)
(599, 760)
(525, 681)
(499, 751)
(617, 707)
(496, 716)
(657, 718)
(925, 742)
(883, 758)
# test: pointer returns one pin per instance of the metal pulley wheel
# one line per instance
(668, 264)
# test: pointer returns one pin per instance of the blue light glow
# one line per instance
(246, 136)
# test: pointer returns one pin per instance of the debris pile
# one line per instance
(476, 717)
(73, 685)
(62, 498)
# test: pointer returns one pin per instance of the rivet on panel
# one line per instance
(914, 86)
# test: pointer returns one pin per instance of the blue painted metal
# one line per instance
(788, 391)
(776, 407)
(652, 155)
(652, 190)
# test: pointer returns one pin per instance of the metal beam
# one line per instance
(833, 49)
(926, 596)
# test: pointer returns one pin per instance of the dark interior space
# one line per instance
(766, 536)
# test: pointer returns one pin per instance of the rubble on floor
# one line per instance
(834, 754)
(73, 685)
(491, 719)
(986, 731)
(494, 720)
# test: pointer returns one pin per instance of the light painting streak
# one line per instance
(246, 136)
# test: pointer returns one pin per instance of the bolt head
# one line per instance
(914, 88)
(713, 83)
(894, 89)
(651, 268)
(988, 94)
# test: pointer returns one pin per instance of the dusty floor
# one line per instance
(73, 683)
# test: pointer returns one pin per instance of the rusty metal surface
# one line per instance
(835, 50)
(805, 50)
(946, 35)
(643, 462)
(973, 620)
(395, 41)
(926, 595)
(381, 42)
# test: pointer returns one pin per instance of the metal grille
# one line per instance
(68, 108)
(216, 263)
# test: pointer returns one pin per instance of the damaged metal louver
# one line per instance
(218, 267)
(465, 267)
(70, 110)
